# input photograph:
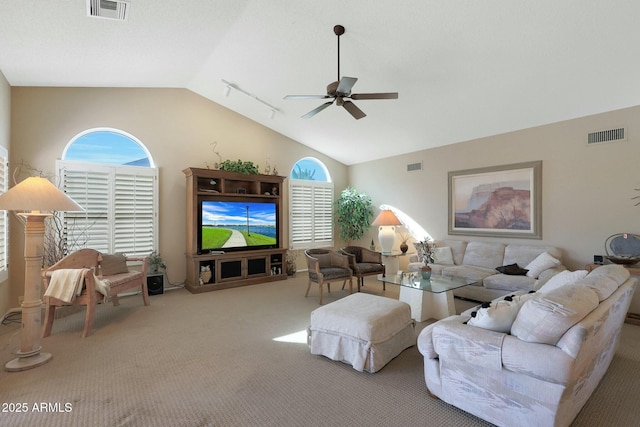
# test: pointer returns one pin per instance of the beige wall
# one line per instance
(5, 134)
(586, 194)
(586, 190)
(176, 125)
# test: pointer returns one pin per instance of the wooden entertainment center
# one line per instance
(235, 267)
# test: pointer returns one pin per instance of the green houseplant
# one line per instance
(353, 214)
(156, 262)
(247, 168)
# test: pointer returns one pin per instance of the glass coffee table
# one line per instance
(429, 298)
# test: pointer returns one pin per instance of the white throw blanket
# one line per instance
(66, 284)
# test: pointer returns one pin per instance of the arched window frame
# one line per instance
(120, 202)
(310, 209)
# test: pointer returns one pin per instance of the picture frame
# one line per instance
(497, 201)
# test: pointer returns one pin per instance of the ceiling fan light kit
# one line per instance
(340, 91)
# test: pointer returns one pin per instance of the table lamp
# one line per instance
(34, 194)
(386, 221)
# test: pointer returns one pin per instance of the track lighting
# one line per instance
(230, 86)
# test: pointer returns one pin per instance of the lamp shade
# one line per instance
(37, 194)
(386, 217)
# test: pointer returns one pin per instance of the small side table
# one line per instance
(391, 261)
(633, 316)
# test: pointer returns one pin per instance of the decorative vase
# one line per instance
(291, 269)
(205, 276)
(404, 247)
(426, 272)
(372, 246)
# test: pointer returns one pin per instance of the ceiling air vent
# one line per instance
(610, 135)
(414, 167)
(117, 9)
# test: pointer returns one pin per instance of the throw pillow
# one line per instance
(543, 262)
(561, 279)
(545, 318)
(113, 264)
(443, 255)
(512, 270)
(498, 316)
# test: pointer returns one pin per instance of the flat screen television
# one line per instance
(237, 225)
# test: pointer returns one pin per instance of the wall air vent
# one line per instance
(108, 9)
(411, 167)
(610, 135)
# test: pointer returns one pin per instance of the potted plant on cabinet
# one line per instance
(353, 214)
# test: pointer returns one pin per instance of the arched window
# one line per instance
(110, 174)
(310, 205)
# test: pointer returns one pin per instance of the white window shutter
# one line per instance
(120, 205)
(311, 214)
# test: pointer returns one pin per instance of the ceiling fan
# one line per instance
(340, 91)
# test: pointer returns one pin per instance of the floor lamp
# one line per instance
(386, 221)
(34, 194)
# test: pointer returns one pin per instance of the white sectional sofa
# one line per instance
(542, 371)
(478, 261)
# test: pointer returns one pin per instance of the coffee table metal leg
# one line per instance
(428, 305)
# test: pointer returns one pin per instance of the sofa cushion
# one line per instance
(113, 264)
(499, 315)
(543, 262)
(545, 318)
(512, 270)
(563, 278)
(477, 274)
(616, 272)
(483, 254)
(524, 254)
(443, 255)
(509, 283)
(458, 248)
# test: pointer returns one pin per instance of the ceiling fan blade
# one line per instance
(387, 95)
(345, 85)
(317, 110)
(354, 110)
(306, 97)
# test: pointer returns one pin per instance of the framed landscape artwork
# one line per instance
(499, 201)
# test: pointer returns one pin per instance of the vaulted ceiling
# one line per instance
(463, 69)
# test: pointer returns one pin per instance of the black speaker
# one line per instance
(155, 284)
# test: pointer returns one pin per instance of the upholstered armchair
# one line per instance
(363, 262)
(325, 267)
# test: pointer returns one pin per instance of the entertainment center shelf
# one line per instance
(210, 269)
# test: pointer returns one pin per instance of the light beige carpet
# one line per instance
(212, 360)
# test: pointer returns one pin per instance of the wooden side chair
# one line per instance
(364, 262)
(112, 270)
(325, 267)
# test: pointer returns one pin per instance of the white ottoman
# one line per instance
(363, 330)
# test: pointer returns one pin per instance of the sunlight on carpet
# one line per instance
(296, 337)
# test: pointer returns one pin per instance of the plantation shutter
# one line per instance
(134, 213)
(4, 235)
(120, 207)
(311, 214)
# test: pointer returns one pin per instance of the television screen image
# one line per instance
(238, 225)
